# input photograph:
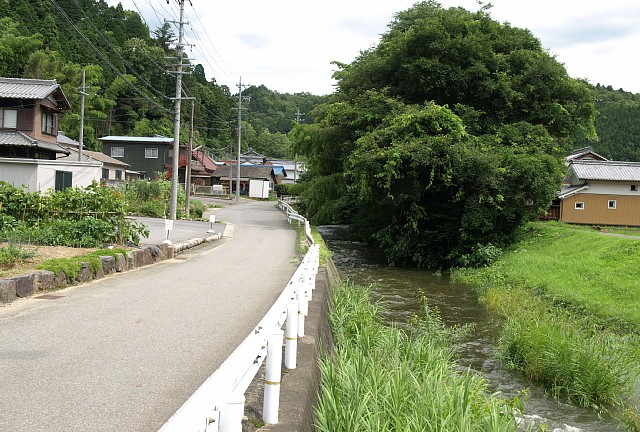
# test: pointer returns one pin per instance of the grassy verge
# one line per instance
(382, 378)
(571, 299)
(72, 266)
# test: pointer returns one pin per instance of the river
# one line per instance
(401, 290)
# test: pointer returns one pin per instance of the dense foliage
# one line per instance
(75, 217)
(443, 139)
(130, 88)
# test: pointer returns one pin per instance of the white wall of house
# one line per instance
(40, 174)
(613, 188)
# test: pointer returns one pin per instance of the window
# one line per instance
(48, 126)
(612, 204)
(105, 173)
(63, 180)
(579, 206)
(118, 174)
(634, 188)
(117, 151)
(151, 153)
(8, 118)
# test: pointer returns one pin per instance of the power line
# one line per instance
(104, 58)
(131, 68)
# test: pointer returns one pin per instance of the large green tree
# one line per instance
(444, 138)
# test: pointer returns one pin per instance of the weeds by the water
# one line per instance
(383, 378)
(572, 304)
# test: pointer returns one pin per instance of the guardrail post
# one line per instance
(273, 374)
(303, 308)
(291, 337)
(231, 413)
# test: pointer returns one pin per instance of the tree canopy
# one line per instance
(444, 138)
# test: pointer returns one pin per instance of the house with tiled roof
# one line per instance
(601, 192)
(30, 110)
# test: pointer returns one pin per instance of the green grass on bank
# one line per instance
(570, 298)
(584, 270)
(382, 378)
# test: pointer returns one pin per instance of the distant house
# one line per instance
(112, 172)
(294, 169)
(255, 180)
(29, 152)
(253, 157)
(149, 156)
(584, 153)
(601, 192)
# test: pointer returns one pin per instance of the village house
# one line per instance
(601, 192)
(29, 153)
(148, 156)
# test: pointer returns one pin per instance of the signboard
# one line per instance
(168, 224)
(212, 218)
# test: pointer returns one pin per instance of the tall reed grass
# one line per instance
(382, 378)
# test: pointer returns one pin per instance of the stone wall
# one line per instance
(41, 280)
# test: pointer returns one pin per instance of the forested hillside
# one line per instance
(617, 124)
(129, 86)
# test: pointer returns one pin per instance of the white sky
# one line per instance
(289, 45)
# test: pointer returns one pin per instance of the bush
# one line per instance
(11, 254)
(481, 255)
(196, 209)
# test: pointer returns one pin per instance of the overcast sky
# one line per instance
(289, 45)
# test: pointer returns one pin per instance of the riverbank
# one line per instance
(571, 302)
(382, 377)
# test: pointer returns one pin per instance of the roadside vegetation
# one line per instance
(76, 217)
(152, 198)
(386, 378)
(571, 301)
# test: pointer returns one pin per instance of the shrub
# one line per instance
(196, 209)
(11, 254)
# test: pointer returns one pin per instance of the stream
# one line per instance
(401, 290)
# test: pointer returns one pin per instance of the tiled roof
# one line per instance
(246, 171)
(132, 139)
(19, 88)
(19, 139)
(606, 170)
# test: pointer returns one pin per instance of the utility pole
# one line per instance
(295, 156)
(176, 121)
(187, 175)
(240, 87)
(83, 94)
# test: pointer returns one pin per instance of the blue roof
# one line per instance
(277, 169)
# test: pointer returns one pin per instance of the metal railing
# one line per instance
(218, 404)
(292, 214)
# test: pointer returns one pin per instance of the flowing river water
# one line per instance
(401, 290)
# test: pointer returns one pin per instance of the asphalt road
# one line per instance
(123, 353)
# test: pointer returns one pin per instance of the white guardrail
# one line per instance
(218, 404)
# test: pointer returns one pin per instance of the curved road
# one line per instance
(123, 353)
